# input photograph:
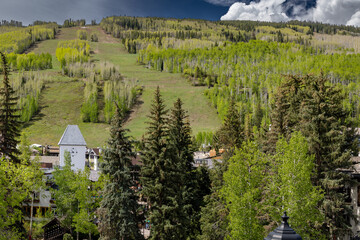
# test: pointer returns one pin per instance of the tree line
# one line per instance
(250, 70)
(294, 166)
(73, 23)
(262, 172)
(71, 51)
(30, 61)
(20, 39)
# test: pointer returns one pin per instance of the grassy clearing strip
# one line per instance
(60, 105)
(61, 101)
(202, 116)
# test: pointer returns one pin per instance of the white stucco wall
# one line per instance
(77, 154)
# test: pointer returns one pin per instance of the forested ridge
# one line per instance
(278, 88)
(243, 59)
(287, 95)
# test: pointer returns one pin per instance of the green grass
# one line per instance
(61, 100)
(203, 117)
(60, 106)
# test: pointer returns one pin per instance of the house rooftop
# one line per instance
(72, 136)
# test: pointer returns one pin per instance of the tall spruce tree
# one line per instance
(120, 215)
(181, 155)
(159, 177)
(285, 113)
(193, 185)
(230, 134)
(331, 137)
(311, 105)
(9, 119)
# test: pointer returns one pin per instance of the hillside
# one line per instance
(61, 99)
(205, 63)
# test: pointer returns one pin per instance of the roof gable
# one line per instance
(72, 136)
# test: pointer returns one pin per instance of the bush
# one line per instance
(81, 34)
(94, 37)
(67, 236)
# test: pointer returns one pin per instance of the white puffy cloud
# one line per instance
(326, 11)
(354, 20)
(334, 11)
(266, 10)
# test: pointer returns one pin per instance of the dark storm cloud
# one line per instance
(50, 10)
(28, 11)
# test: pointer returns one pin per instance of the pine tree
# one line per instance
(157, 176)
(9, 119)
(181, 157)
(120, 201)
(284, 116)
(192, 185)
(330, 134)
(230, 134)
(311, 105)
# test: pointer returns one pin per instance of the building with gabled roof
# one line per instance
(73, 141)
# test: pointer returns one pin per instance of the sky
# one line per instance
(345, 12)
(27, 11)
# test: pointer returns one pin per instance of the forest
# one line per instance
(286, 94)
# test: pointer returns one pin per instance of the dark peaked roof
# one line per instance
(72, 136)
(284, 231)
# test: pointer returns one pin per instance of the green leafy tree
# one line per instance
(119, 203)
(314, 107)
(17, 181)
(9, 120)
(243, 184)
(65, 200)
(74, 198)
(290, 180)
(214, 222)
(85, 191)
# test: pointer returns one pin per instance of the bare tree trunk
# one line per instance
(31, 213)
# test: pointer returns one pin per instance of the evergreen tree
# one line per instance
(192, 185)
(332, 140)
(119, 201)
(230, 134)
(311, 105)
(158, 178)
(285, 114)
(181, 155)
(9, 120)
